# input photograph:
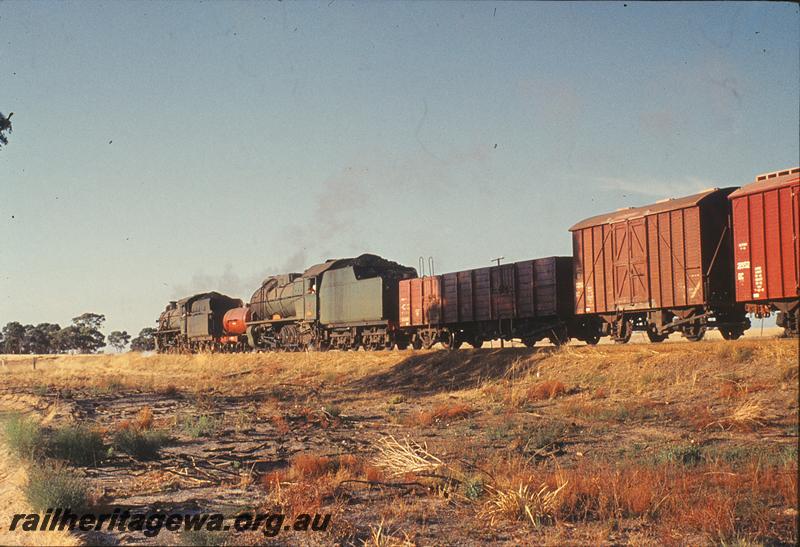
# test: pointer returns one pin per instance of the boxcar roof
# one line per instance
(769, 181)
(662, 206)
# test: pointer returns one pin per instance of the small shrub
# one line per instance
(546, 435)
(690, 454)
(473, 488)
(54, 485)
(142, 445)
(200, 426)
(24, 436)
(78, 445)
(333, 410)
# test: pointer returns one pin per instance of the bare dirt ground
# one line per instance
(679, 443)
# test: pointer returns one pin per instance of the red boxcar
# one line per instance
(766, 245)
(529, 300)
(660, 268)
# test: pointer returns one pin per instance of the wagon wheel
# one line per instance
(624, 332)
(731, 333)
(694, 332)
(449, 340)
(529, 341)
(427, 341)
(558, 336)
(401, 341)
(654, 336)
(475, 341)
(592, 339)
(416, 342)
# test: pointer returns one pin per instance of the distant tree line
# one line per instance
(82, 336)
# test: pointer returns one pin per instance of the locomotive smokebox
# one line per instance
(235, 320)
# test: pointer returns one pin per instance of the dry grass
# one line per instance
(522, 503)
(549, 389)
(310, 465)
(442, 414)
(601, 422)
(750, 414)
(406, 457)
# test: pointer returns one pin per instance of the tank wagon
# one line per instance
(766, 246)
(662, 268)
(529, 300)
(195, 323)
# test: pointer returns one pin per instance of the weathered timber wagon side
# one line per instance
(766, 246)
(530, 300)
(660, 268)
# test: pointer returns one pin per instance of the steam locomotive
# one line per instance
(680, 265)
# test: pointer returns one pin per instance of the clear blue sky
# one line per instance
(164, 148)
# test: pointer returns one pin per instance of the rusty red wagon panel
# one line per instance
(766, 242)
(670, 254)
(528, 289)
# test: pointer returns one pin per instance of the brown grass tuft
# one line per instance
(549, 389)
(144, 419)
(443, 413)
(311, 465)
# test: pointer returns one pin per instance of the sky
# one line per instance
(162, 149)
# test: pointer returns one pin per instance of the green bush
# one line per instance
(142, 445)
(78, 445)
(200, 426)
(52, 484)
(473, 488)
(546, 435)
(24, 436)
(689, 454)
